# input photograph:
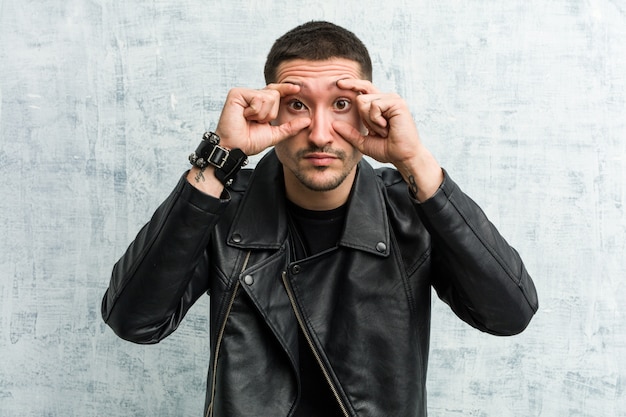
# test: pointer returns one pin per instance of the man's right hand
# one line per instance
(245, 122)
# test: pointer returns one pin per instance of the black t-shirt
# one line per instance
(312, 232)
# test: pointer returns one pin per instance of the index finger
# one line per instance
(360, 86)
(284, 89)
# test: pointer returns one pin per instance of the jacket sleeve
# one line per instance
(165, 269)
(476, 271)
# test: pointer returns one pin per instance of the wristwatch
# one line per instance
(227, 162)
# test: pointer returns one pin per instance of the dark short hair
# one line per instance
(317, 41)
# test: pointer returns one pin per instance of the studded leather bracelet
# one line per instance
(227, 162)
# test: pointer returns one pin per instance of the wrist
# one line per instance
(423, 176)
(204, 180)
(225, 163)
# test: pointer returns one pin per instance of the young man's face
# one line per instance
(318, 158)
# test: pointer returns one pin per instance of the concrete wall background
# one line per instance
(524, 102)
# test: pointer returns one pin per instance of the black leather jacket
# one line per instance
(364, 306)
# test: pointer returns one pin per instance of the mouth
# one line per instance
(320, 158)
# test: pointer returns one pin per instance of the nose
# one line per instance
(321, 130)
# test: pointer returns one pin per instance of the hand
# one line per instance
(391, 132)
(246, 116)
(391, 136)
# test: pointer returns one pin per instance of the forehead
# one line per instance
(301, 71)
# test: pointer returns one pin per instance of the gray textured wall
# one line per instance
(523, 101)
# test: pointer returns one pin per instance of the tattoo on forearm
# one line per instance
(412, 185)
(200, 175)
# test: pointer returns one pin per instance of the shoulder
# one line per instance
(389, 177)
(242, 180)
(394, 191)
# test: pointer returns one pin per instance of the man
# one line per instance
(319, 268)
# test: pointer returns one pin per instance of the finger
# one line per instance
(284, 89)
(375, 130)
(262, 106)
(371, 109)
(380, 124)
(350, 134)
(370, 145)
(289, 129)
(359, 86)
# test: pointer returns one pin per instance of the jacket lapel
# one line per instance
(260, 222)
(366, 227)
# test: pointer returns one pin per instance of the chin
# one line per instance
(321, 183)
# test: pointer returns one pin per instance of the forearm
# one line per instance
(157, 279)
(480, 275)
(205, 181)
(422, 173)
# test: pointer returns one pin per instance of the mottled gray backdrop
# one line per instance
(523, 101)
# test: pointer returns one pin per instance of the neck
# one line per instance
(309, 199)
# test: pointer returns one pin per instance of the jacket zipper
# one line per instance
(220, 336)
(307, 336)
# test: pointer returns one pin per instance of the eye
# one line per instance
(296, 105)
(342, 104)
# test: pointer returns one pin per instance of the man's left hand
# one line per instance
(391, 136)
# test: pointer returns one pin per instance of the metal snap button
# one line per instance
(296, 269)
(381, 247)
(236, 238)
(248, 279)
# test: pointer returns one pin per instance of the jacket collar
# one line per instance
(261, 219)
